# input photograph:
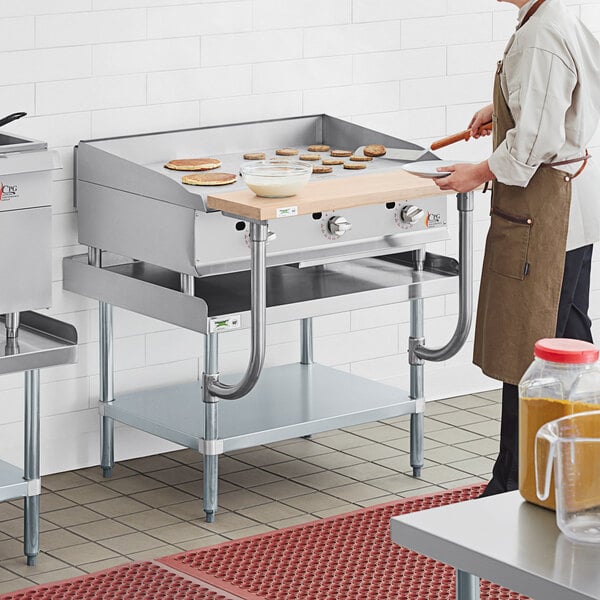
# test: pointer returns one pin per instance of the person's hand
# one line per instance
(464, 177)
(481, 117)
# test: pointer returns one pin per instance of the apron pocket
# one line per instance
(509, 244)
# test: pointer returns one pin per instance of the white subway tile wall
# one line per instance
(96, 68)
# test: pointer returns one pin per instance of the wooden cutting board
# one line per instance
(327, 195)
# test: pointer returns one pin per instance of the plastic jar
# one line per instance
(563, 379)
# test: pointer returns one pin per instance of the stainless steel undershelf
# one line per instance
(42, 342)
(12, 484)
(292, 293)
(288, 401)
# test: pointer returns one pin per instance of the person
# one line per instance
(545, 209)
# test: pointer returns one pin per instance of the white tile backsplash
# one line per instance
(101, 68)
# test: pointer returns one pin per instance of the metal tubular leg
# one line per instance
(107, 386)
(306, 340)
(32, 463)
(467, 586)
(417, 375)
(12, 325)
(187, 283)
(210, 478)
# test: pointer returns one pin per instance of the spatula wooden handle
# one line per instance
(459, 137)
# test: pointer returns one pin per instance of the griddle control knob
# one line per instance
(338, 226)
(411, 214)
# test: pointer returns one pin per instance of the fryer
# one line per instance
(31, 341)
(215, 260)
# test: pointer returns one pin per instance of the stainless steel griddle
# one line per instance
(157, 248)
(32, 341)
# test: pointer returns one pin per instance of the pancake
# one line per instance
(310, 157)
(361, 158)
(255, 156)
(322, 169)
(355, 166)
(209, 179)
(193, 164)
(374, 150)
(342, 153)
(286, 152)
(318, 148)
(333, 161)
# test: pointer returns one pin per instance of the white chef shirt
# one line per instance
(551, 81)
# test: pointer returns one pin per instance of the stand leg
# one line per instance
(32, 464)
(306, 347)
(417, 419)
(467, 586)
(210, 478)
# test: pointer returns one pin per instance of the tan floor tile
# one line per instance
(483, 447)
(461, 418)
(293, 521)
(14, 585)
(431, 424)
(494, 395)
(117, 507)
(324, 480)
(315, 502)
(399, 463)
(334, 460)
(302, 448)
(339, 510)
(356, 492)
(14, 527)
(263, 456)
(162, 497)
(485, 428)
(428, 489)
(59, 538)
(377, 501)
(466, 402)
(177, 475)
(250, 478)
(180, 532)
(282, 489)
(449, 454)
(8, 511)
(152, 553)
(399, 483)
(66, 573)
(230, 521)
(134, 484)
(151, 463)
(86, 494)
(83, 553)
(186, 511)
(186, 456)
(440, 473)
(148, 519)
(211, 540)
(229, 464)
(479, 465)
(50, 501)
(293, 469)
(382, 433)
(100, 565)
(96, 474)
(372, 452)
(241, 499)
(249, 531)
(5, 574)
(437, 408)
(366, 471)
(43, 564)
(100, 530)
(63, 481)
(343, 441)
(457, 483)
(492, 411)
(267, 513)
(131, 542)
(76, 515)
(452, 436)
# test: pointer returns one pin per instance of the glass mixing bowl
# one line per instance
(276, 177)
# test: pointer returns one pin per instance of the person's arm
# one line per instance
(539, 98)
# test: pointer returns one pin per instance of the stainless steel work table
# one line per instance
(505, 540)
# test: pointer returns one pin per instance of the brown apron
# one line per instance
(523, 263)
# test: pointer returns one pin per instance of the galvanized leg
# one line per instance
(12, 325)
(306, 347)
(107, 386)
(417, 419)
(210, 479)
(32, 465)
(467, 586)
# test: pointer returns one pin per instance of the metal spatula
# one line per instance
(402, 154)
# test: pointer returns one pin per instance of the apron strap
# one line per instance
(560, 163)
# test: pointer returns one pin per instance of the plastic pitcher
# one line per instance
(572, 444)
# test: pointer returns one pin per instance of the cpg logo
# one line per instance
(7, 192)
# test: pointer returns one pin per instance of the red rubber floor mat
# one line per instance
(347, 557)
(136, 581)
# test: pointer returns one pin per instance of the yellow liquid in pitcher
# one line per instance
(535, 412)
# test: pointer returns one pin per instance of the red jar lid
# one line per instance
(565, 350)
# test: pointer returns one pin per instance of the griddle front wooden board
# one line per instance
(330, 194)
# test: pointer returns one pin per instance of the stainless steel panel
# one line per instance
(10, 142)
(288, 401)
(25, 263)
(292, 293)
(42, 342)
(12, 484)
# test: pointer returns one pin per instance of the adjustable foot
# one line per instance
(210, 516)
(107, 472)
(416, 471)
(31, 560)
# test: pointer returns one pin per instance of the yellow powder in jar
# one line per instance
(533, 413)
